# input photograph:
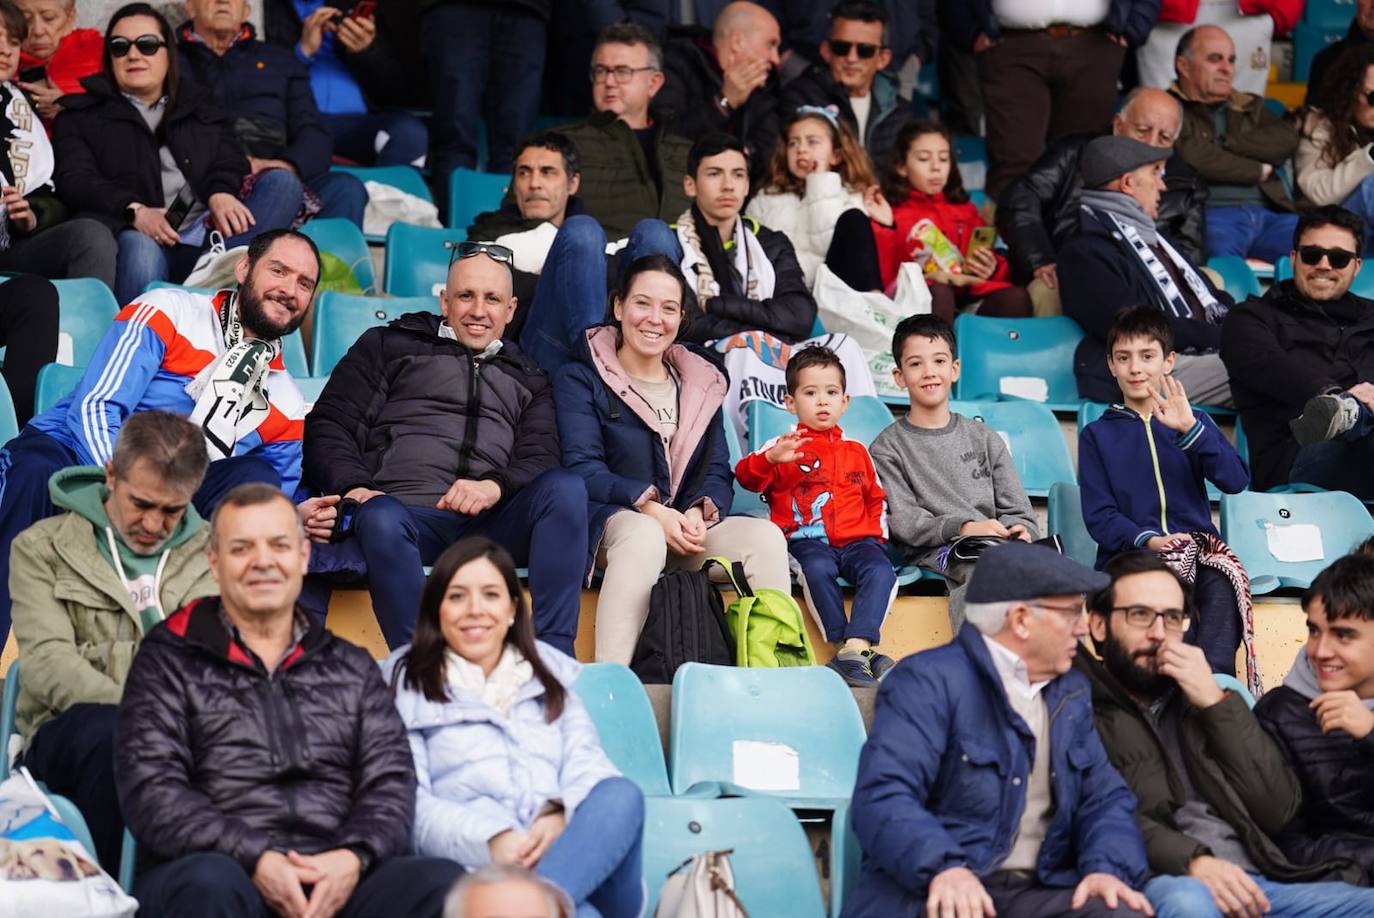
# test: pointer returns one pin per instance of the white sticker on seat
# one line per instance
(765, 766)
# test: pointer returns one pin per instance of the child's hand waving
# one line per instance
(1171, 405)
(787, 449)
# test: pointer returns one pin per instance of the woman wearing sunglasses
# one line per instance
(153, 158)
(1335, 157)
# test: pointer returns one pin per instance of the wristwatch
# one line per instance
(724, 105)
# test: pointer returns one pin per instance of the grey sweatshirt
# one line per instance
(938, 480)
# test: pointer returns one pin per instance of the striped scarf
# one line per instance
(1207, 550)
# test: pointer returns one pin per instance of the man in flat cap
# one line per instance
(1120, 259)
(983, 788)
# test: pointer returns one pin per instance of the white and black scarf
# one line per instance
(704, 257)
(230, 391)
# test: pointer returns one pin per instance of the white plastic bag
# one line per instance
(871, 318)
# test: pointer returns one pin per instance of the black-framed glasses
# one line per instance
(842, 48)
(623, 74)
(1312, 255)
(1144, 618)
(147, 45)
(493, 251)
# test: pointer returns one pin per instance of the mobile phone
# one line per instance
(983, 238)
(364, 9)
(179, 208)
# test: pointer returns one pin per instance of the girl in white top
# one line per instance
(1335, 156)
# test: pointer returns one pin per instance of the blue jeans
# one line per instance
(1216, 624)
(543, 526)
(1250, 231)
(571, 296)
(356, 137)
(342, 195)
(1185, 897)
(597, 859)
(865, 564)
(1340, 464)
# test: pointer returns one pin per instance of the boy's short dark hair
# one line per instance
(554, 142)
(713, 144)
(1346, 589)
(922, 326)
(1330, 215)
(816, 355)
(1140, 322)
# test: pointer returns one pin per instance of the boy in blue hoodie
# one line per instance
(1143, 469)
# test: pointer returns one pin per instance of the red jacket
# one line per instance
(956, 221)
(77, 56)
(830, 493)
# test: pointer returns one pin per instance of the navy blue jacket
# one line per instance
(619, 456)
(266, 83)
(937, 788)
(1125, 466)
(961, 21)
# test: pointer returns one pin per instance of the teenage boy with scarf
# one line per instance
(215, 359)
(1119, 259)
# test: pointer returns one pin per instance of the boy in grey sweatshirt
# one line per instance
(946, 476)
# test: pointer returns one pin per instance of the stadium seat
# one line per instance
(342, 239)
(1242, 441)
(341, 317)
(1232, 684)
(86, 307)
(774, 870)
(1283, 269)
(8, 705)
(1308, 40)
(293, 345)
(1032, 434)
(406, 178)
(867, 417)
(1276, 106)
(55, 382)
(1333, 523)
(471, 193)
(9, 423)
(1236, 276)
(311, 387)
(619, 706)
(1066, 521)
(1363, 284)
(744, 502)
(1331, 15)
(417, 258)
(1012, 358)
(971, 153)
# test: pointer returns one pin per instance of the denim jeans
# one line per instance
(1343, 463)
(356, 137)
(571, 294)
(342, 195)
(1185, 897)
(863, 563)
(597, 859)
(1250, 231)
(73, 248)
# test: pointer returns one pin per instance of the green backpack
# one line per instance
(767, 624)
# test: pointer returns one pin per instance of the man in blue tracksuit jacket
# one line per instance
(983, 783)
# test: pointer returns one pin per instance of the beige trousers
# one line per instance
(634, 552)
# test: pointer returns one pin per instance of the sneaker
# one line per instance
(215, 267)
(878, 663)
(1324, 417)
(853, 668)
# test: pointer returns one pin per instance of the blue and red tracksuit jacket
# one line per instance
(156, 346)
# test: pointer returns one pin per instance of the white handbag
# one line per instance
(703, 886)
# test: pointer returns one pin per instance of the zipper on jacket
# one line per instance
(470, 429)
(1159, 479)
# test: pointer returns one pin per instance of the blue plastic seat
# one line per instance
(1236, 276)
(744, 502)
(311, 387)
(9, 422)
(8, 705)
(774, 870)
(994, 351)
(1308, 40)
(341, 317)
(1341, 518)
(619, 706)
(55, 382)
(1329, 14)
(406, 178)
(1283, 269)
(292, 346)
(1066, 521)
(1038, 451)
(1232, 684)
(417, 259)
(86, 309)
(471, 193)
(867, 417)
(342, 239)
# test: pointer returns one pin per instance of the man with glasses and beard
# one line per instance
(216, 359)
(1301, 362)
(1212, 788)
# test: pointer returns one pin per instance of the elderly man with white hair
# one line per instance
(983, 788)
(506, 891)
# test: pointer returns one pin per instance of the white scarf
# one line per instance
(750, 261)
(497, 691)
(230, 393)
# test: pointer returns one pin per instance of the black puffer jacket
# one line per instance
(1337, 815)
(409, 412)
(1039, 212)
(213, 753)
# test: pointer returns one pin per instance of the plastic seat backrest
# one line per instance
(624, 718)
(86, 308)
(471, 193)
(406, 178)
(1066, 521)
(867, 417)
(417, 259)
(1340, 518)
(9, 421)
(993, 352)
(744, 502)
(1038, 450)
(8, 704)
(344, 240)
(1236, 276)
(341, 317)
(1283, 269)
(55, 382)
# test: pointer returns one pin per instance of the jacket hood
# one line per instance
(81, 489)
(1302, 678)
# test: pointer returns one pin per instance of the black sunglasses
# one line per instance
(493, 251)
(1312, 255)
(841, 48)
(147, 45)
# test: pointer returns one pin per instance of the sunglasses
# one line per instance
(842, 48)
(147, 45)
(1312, 256)
(493, 251)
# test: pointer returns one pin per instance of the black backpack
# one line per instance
(686, 624)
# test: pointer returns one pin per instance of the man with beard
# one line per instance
(214, 359)
(1212, 788)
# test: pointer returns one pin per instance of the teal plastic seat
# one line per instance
(1232, 684)
(1363, 284)
(1341, 518)
(471, 193)
(1066, 521)
(1309, 38)
(55, 382)
(1332, 14)
(1038, 451)
(744, 502)
(341, 317)
(8, 704)
(9, 422)
(993, 353)
(417, 259)
(619, 706)
(406, 178)
(86, 309)
(774, 870)
(867, 417)
(1283, 269)
(1236, 276)
(311, 387)
(292, 346)
(342, 239)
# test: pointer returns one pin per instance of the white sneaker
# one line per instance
(215, 267)
(1325, 417)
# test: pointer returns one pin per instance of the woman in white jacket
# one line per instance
(821, 193)
(1335, 159)
(510, 769)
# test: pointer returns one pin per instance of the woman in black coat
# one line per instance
(153, 159)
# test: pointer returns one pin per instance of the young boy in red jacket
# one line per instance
(822, 491)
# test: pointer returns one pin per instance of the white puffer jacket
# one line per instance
(807, 221)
